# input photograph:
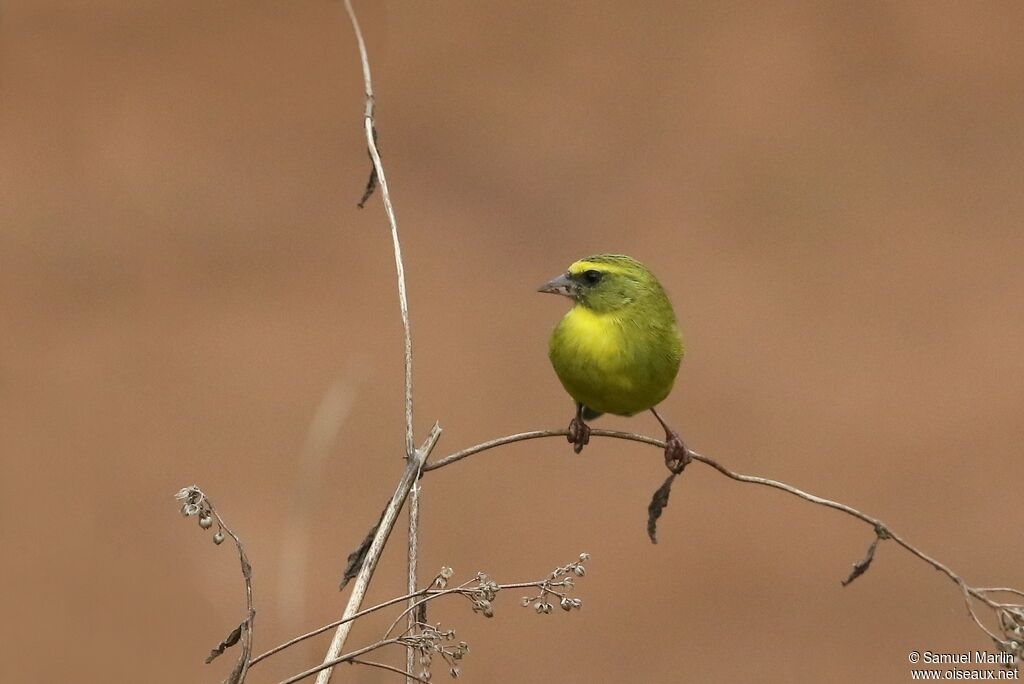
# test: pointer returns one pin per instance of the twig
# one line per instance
(371, 144)
(882, 530)
(996, 590)
(413, 560)
(328, 665)
(387, 523)
(974, 616)
(403, 303)
(385, 666)
(521, 437)
(331, 625)
(433, 591)
(861, 566)
(355, 616)
(195, 502)
(429, 595)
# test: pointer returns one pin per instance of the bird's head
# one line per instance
(605, 283)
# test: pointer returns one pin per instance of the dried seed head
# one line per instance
(192, 499)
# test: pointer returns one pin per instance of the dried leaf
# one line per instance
(371, 182)
(658, 503)
(229, 641)
(421, 612)
(356, 558)
(861, 566)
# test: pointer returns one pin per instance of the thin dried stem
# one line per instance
(245, 659)
(882, 530)
(371, 143)
(403, 304)
(413, 560)
(996, 590)
(500, 441)
(974, 616)
(328, 665)
(428, 593)
(384, 666)
(416, 600)
(196, 503)
(355, 616)
(330, 625)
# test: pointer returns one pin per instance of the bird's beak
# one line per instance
(563, 285)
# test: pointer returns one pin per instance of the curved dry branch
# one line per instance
(1010, 615)
(196, 503)
(391, 668)
(329, 664)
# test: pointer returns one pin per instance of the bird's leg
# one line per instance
(676, 454)
(579, 432)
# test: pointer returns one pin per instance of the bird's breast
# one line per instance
(614, 364)
(595, 338)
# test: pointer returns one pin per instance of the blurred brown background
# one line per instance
(831, 192)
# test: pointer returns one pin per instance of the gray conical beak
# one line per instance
(563, 285)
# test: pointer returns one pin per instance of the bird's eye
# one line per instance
(592, 277)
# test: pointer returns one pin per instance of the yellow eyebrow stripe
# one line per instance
(581, 266)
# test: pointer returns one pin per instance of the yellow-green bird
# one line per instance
(618, 349)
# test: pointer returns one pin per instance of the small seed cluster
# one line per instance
(556, 588)
(430, 641)
(483, 594)
(194, 502)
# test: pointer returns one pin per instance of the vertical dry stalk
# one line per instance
(378, 172)
(378, 168)
(414, 521)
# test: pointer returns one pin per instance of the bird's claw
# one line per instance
(677, 456)
(579, 434)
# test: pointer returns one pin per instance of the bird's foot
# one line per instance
(677, 456)
(579, 434)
